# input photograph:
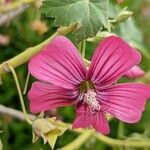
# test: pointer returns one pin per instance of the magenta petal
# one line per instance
(112, 59)
(59, 63)
(125, 101)
(85, 119)
(44, 96)
(134, 72)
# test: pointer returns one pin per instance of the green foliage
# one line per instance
(90, 15)
(129, 31)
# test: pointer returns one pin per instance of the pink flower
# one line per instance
(134, 72)
(64, 80)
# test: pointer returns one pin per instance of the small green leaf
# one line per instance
(91, 15)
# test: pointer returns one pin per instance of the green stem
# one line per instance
(80, 47)
(87, 62)
(83, 48)
(78, 141)
(30, 52)
(26, 83)
(120, 129)
(19, 92)
(124, 143)
(116, 142)
(120, 133)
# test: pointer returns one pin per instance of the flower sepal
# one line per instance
(48, 129)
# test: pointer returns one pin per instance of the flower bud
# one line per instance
(48, 129)
(42, 126)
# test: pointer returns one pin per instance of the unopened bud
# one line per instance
(48, 129)
(42, 126)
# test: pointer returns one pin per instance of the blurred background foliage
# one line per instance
(27, 30)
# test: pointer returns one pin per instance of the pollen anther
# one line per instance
(91, 100)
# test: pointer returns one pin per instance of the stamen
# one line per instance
(90, 99)
(90, 127)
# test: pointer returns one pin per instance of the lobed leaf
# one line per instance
(91, 15)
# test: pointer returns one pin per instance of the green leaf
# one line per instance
(129, 31)
(90, 14)
(113, 10)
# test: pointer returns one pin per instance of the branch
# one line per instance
(19, 93)
(14, 113)
(137, 143)
(30, 52)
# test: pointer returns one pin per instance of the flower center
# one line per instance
(91, 100)
(88, 95)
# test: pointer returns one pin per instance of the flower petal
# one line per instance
(44, 96)
(125, 101)
(112, 59)
(134, 72)
(86, 118)
(59, 63)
